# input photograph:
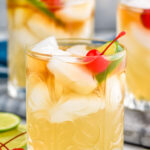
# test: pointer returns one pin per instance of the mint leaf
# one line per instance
(120, 48)
(41, 6)
(102, 76)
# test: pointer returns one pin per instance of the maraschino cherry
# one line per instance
(98, 63)
(53, 5)
(145, 17)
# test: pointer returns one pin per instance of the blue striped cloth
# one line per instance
(3, 59)
(7, 104)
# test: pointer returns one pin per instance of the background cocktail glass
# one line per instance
(67, 107)
(29, 21)
(134, 17)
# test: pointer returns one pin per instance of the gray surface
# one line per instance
(8, 104)
(137, 127)
(105, 16)
(3, 20)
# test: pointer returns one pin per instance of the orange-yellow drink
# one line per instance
(29, 21)
(134, 18)
(69, 106)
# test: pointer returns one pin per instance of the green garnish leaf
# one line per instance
(102, 76)
(41, 6)
(120, 48)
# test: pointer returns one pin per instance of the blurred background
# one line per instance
(105, 28)
(105, 18)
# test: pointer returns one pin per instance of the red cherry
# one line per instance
(145, 17)
(53, 5)
(97, 63)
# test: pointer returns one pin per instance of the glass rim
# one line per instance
(132, 8)
(75, 41)
(68, 3)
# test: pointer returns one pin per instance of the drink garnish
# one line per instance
(44, 8)
(14, 139)
(145, 17)
(98, 64)
(53, 5)
(119, 36)
(8, 121)
(4, 145)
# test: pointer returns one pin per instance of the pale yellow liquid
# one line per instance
(137, 42)
(28, 25)
(67, 129)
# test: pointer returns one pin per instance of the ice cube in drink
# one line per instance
(68, 105)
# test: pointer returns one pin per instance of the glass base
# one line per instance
(16, 92)
(132, 103)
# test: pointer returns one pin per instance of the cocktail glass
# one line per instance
(29, 21)
(134, 18)
(68, 106)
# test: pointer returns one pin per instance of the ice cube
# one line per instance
(47, 43)
(141, 34)
(20, 16)
(37, 93)
(58, 89)
(46, 27)
(76, 12)
(73, 106)
(78, 50)
(145, 4)
(55, 88)
(41, 26)
(49, 46)
(36, 65)
(24, 36)
(61, 32)
(73, 76)
(114, 91)
(85, 29)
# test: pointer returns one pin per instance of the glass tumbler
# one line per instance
(134, 17)
(30, 21)
(68, 107)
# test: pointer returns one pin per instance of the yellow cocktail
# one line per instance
(30, 21)
(74, 99)
(134, 18)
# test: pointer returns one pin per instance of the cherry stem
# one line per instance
(119, 36)
(3, 145)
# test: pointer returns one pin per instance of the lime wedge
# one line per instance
(8, 121)
(19, 142)
(111, 50)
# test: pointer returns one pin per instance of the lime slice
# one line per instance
(8, 121)
(111, 50)
(19, 142)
